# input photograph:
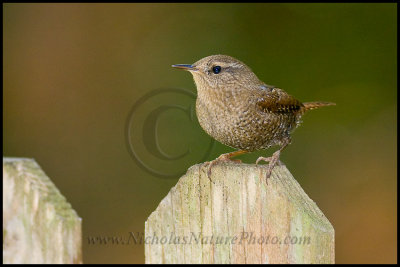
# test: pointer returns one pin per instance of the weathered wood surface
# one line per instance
(238, 218)
(39, 225)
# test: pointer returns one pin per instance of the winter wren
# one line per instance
(237, 109)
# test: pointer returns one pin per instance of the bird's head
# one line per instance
(219, 71)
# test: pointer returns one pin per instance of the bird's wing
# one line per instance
(278, 101)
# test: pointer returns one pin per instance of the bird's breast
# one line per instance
(237, 122)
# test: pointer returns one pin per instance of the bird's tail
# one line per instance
(315, 105)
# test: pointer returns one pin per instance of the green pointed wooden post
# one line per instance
(39, 225)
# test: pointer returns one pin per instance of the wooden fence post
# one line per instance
(238, 218)
(39, 225)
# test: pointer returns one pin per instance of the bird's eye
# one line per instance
(216, 69)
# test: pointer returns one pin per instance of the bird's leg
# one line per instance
(225, 157)
(274, 159)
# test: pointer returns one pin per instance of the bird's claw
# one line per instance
(278, 162)
(221, 158)
(273, 161)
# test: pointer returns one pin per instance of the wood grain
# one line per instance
(238, 218)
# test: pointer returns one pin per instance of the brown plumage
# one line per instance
(237, 109)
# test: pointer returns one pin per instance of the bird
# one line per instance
(239, 110)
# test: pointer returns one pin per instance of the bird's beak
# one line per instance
(184, 67)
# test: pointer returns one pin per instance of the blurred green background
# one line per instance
(73, 72)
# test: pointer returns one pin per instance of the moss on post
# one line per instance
(39, 225)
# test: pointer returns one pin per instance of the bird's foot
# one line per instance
(273, 161)
(222, 158)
